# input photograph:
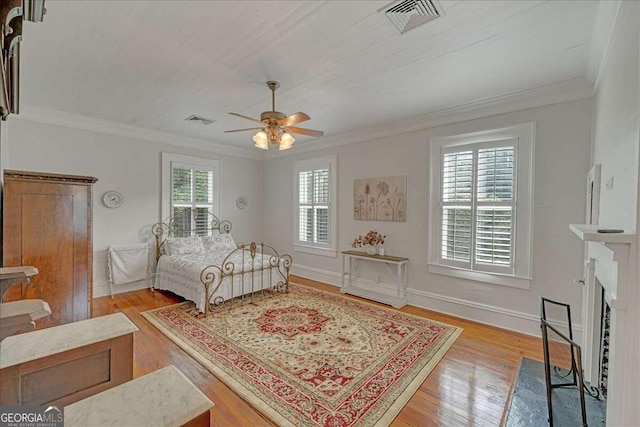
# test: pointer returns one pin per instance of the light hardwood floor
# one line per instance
(469, 387)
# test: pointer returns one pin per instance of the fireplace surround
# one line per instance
(609, 274)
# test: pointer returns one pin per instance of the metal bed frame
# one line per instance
(212, 276)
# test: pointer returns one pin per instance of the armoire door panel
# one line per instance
(48, 246)
(47, 224)
(12, 226)
(82, 267)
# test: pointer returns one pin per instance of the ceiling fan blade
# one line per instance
(293, 119)
(241, 130)
(246, 117)
(302, 131)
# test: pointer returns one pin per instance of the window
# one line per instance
(315, 196)
(190, 192)
(481, 201)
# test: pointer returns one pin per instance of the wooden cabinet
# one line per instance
(47, 224)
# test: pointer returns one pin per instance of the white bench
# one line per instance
(66, 363)
(162, 398)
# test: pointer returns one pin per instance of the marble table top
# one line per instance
(22, 311)
(22, 271)
(10, 276)
(162, 398)
(22, 348)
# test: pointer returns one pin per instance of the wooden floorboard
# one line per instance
(470, 386)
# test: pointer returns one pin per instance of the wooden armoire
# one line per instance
(47, 224)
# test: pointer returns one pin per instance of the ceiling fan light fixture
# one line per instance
(286, 141)
(275, 126)
(261, 139)
(274, 134)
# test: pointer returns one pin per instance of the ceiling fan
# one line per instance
(276, 126)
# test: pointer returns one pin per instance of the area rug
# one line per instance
(528, 407)
(313, 358)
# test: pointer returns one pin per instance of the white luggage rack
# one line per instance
(128, 263)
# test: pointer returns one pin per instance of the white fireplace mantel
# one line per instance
(589, 233)
(609, 263)
(609, 255)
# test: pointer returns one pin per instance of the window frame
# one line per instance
(171, 159)
(329, 249)
(522, 137)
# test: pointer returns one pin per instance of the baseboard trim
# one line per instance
(317, 274)
(504, 318)
(101, 289)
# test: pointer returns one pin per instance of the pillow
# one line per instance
(183, 245)
(219, 243)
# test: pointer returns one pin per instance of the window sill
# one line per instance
(494, 278)
(315, 251)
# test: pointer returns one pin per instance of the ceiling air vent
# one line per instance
(409, 14)
(195, 118)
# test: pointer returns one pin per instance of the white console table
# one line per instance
(350, 260)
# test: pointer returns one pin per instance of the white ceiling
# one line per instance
(152, 64)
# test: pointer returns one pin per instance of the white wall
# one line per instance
(563, 136)
(132, 167)
(616, 145)
(615, 123)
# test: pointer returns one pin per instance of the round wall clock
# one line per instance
(242, 202)
(112, 199)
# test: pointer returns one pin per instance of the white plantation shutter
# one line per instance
(457, 186)
(321, 205)
(305, 223)
(478, 207)
(313, 206)
(495, 206)
(493, 235)
(192, 189)
(315, 219)
(481, 205)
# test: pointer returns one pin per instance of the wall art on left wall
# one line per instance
(380, 199)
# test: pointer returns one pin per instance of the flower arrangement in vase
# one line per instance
(369, 241)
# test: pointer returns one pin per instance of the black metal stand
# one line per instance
(575, 372)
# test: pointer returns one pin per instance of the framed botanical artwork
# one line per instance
(380, 199)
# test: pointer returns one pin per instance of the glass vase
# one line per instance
(371, 250)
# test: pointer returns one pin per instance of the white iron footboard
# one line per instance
(249, 276)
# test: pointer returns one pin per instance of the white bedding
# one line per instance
(180, 274)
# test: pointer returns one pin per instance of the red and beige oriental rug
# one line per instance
(313, 358)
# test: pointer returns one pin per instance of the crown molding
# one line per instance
(566, 91)
(569, 90)
(601, 38)
(76, 121)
